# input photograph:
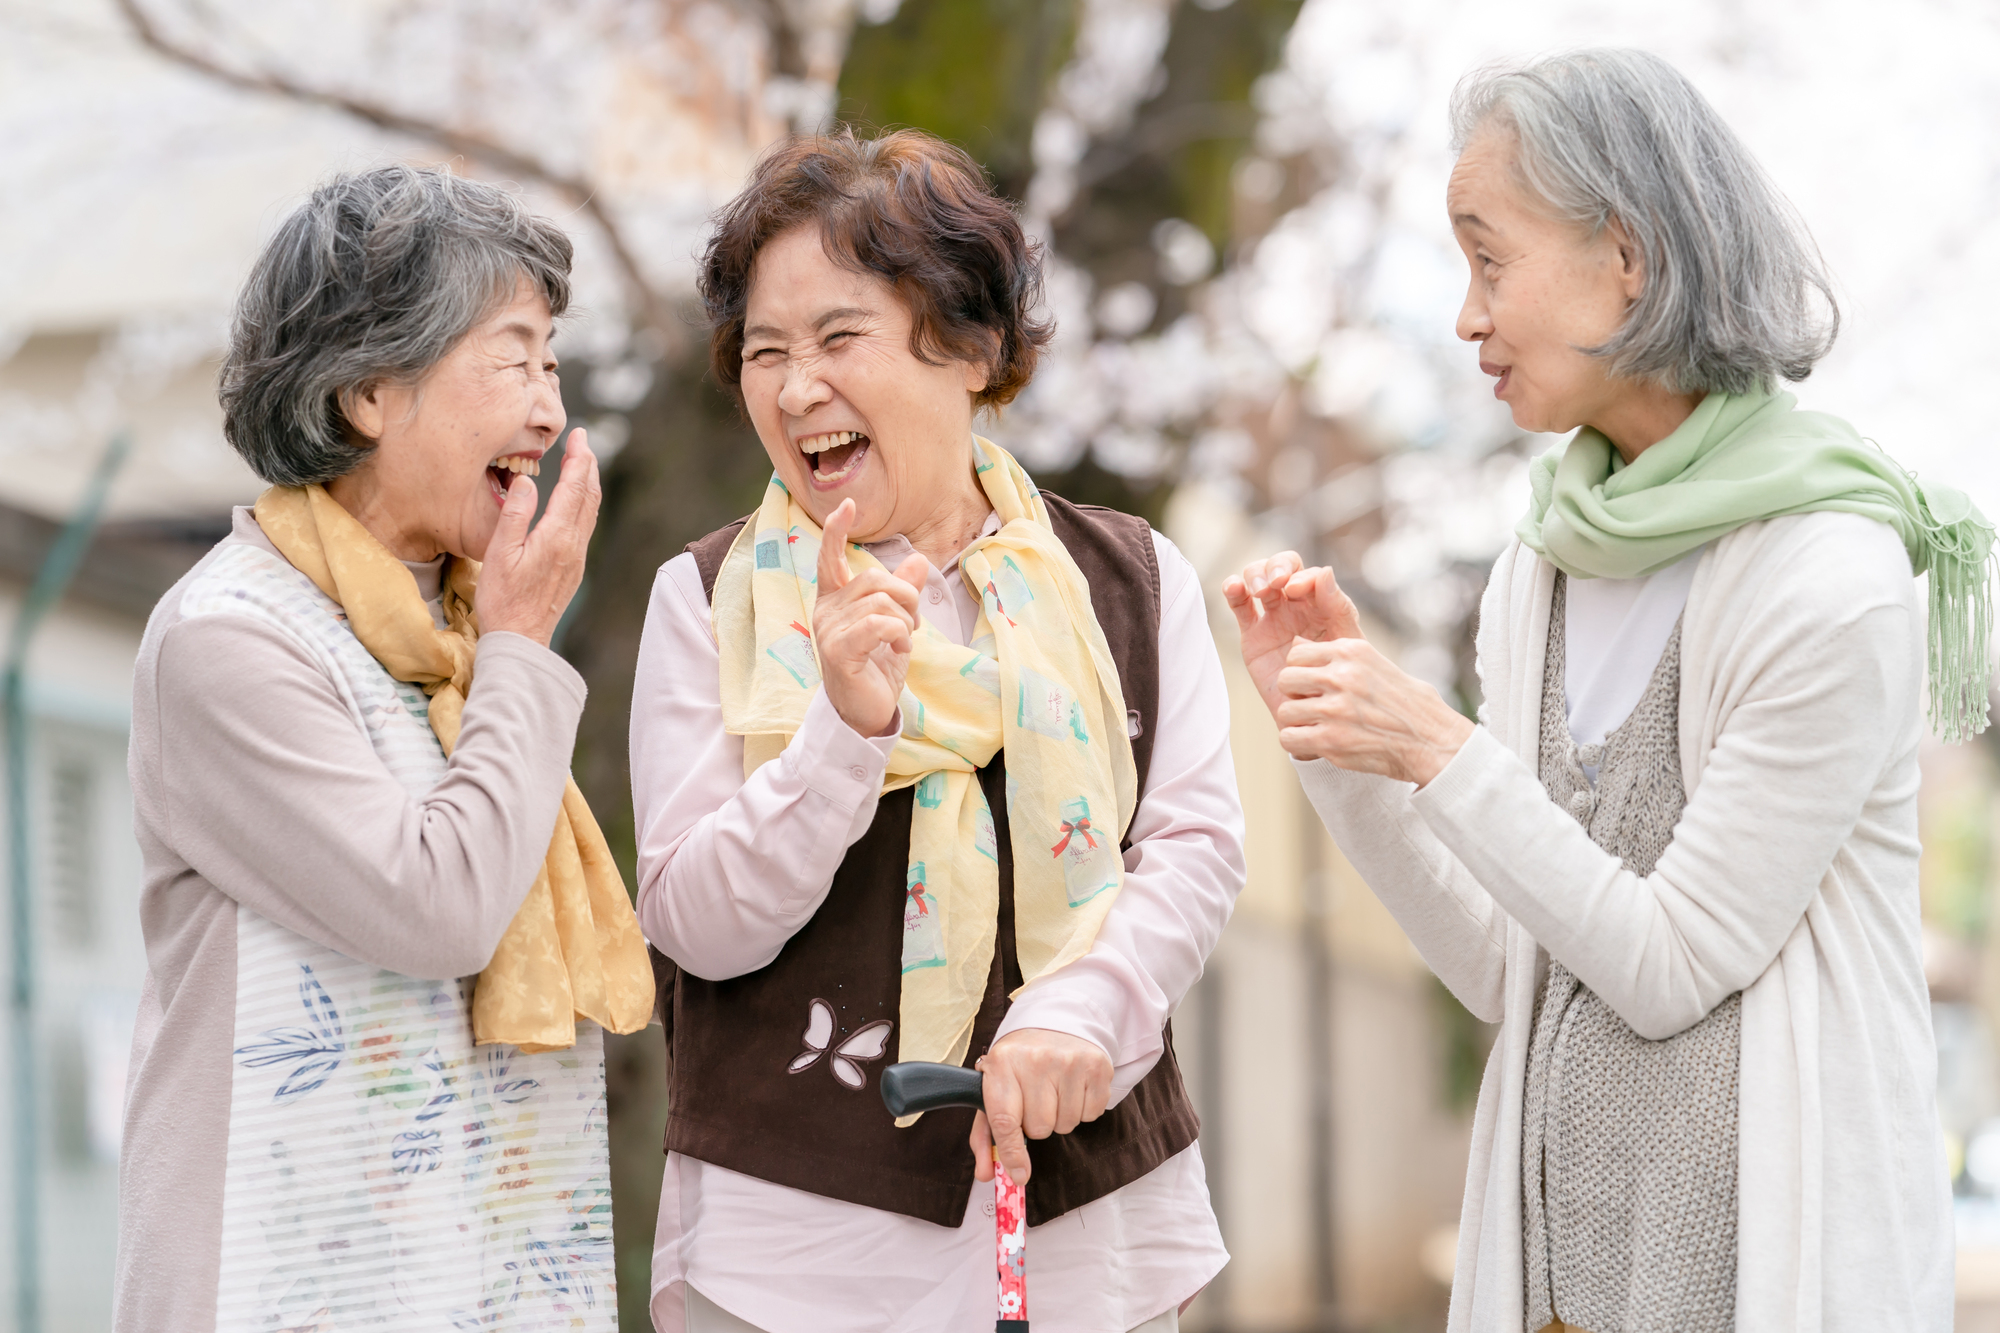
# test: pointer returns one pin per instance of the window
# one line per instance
(72, 850)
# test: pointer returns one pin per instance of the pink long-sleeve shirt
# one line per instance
(729, 868)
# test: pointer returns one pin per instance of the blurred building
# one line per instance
(1333, 1074)
(84, 865)
(82, 368)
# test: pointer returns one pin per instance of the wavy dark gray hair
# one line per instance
(373, 280)
(1736, 292)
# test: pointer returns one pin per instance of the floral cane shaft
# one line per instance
(1010, 1238)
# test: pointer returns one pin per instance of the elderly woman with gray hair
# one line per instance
(1677, 858)
(382, 930)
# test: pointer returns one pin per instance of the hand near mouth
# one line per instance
(861, 628)
(528, 577)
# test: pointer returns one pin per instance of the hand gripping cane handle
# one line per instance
(916, 1086)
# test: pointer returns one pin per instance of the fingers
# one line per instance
(1096, 1095)
(511, 532)
(1316, 653)
(1240, 603)
(914, 571)
(879, 631)
(1318, 590)
(837, 617)
(1312, 710)
(833, 571)
(1077, 1094)
(982, 1148)
(896, 589)
(1003, 1097)
(1260, 576)
(1042, 1106)
(578, 491)
(1323, 652)
(1329, 667)
(1305, 743)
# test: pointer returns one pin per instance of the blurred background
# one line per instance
(1255, 285)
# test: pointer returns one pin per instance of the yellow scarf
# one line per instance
(574, 948)
(1038, 681)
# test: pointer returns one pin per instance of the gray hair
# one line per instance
(373, 280)
(1736, 292)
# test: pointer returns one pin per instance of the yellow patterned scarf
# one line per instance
(574, 948)
(1038, 681)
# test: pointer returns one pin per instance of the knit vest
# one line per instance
(730, 1044)
(371, 1143)
(1628, 1146)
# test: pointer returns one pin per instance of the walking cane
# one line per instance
(918, 1086)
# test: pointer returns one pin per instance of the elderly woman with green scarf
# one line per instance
(1676, 859)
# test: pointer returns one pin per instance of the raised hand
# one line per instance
(1344, 702)
(1038, 1082)
(861, 626)
(526, 578)
(1277, 601)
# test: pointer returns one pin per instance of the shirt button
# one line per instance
(858, 773)
(936, 597)
(1580, 802)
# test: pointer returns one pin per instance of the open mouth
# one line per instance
(500, 473)
(834, 457)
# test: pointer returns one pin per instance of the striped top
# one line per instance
(314, 1140)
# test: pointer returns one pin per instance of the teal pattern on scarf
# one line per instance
(1741, 458)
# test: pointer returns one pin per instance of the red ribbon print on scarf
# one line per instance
(1070, 830)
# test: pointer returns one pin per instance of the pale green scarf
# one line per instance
(1744, 457)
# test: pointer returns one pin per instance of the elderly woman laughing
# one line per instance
(382, 929)
(883, 786)
(1677, 860)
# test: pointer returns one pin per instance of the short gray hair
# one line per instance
(1736, 292)
(373, 280)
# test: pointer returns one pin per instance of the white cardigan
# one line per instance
(1792, 877)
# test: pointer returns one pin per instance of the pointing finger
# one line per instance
(833, 572)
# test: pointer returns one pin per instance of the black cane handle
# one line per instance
(917, 1085)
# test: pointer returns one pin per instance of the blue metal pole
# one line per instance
(58, 568)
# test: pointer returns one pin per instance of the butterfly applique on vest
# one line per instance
(866, 1043)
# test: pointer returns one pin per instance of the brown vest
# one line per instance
(730, 1043)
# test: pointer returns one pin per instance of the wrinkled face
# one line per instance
(1541, 289)
(446, 448)
(843, 406)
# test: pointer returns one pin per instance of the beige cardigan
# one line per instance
(1792, 877)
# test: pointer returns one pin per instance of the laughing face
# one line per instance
(445, 449)
(1542, 289)
(844, 407)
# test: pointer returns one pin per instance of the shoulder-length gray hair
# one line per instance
(1736, 292)
(373, 280)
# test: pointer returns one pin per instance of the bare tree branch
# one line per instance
(652, 308)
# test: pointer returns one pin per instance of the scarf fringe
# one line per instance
(1960, 567)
